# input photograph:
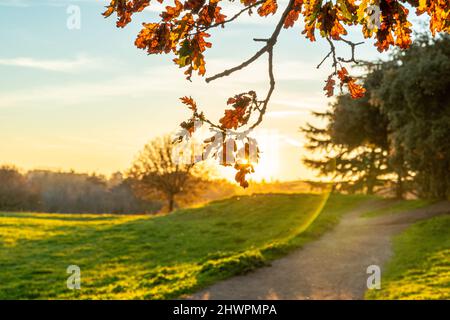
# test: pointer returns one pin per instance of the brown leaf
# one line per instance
(268, 7)
(189, 102)
(329, 87)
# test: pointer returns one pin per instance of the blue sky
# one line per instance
(88, 99)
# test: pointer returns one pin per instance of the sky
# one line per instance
(87, 99)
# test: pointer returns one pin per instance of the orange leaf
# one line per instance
(243, 170)
(343, 74)
(293, 15)
(268, 7)
(329, 87)
(189, 102)
(232, 118)
(356, 90)
(172, 12)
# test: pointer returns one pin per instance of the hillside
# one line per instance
(154, 257)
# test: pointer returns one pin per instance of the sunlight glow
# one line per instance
(267, 168)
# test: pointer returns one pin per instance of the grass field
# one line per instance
(420, 268)
(143, 257)
(398, 206)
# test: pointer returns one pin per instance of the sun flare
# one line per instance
(267, 168)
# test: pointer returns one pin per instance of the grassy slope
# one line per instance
(420, 268)
(156, 257)
(398, 206)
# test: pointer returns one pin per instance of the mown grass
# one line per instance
(420, 268)
(398, 206)
(142, 257)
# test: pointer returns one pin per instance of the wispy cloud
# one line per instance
(57, 65)
(88, 91)
(291, 141)
(257, 71)
(13, 3)
(165, 79)
(58, 3)
(285, 113)
(308, 102)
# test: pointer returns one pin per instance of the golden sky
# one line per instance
(88, 100)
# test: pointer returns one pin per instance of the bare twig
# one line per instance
(323, 60)
(265, 103)
(248, 8)
(333, 54)
(260, 40)
(352, 46)
(239, 67)
(337, 60)
(269, 45)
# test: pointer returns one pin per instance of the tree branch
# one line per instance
(248, 8)
(239, 67)
(336, 59)
(352, 45)
(269, 45)
(265, 103)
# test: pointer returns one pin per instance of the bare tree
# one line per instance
(156, 172)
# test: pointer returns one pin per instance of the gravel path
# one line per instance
(333, 267)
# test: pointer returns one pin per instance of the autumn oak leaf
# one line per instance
(329, 86)
(242, 170)
(293, 14)
(233, 118)
(172, 12)
(268, 7)
(356, 90)
(189, 102)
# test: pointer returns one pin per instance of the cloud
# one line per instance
(88, 91)
(67, 65)
(13, 3)
(274, 138)
(53, 3)
(285, 113)
(162, 80)
(308, 102)
(291, 141)
(257, 71)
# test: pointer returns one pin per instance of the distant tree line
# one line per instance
(69, 192)
(398, 134)
(156, 181)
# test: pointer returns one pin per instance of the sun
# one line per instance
(267, 168)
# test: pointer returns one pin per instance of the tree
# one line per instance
(14, 191)
(405, 115)
(157, 172)
(414, 94)
(184, 28)
(355, 144)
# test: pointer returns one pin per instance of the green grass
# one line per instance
(398, 206)
(420, 268)
(143, 257)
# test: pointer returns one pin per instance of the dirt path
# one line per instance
(333, 267)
